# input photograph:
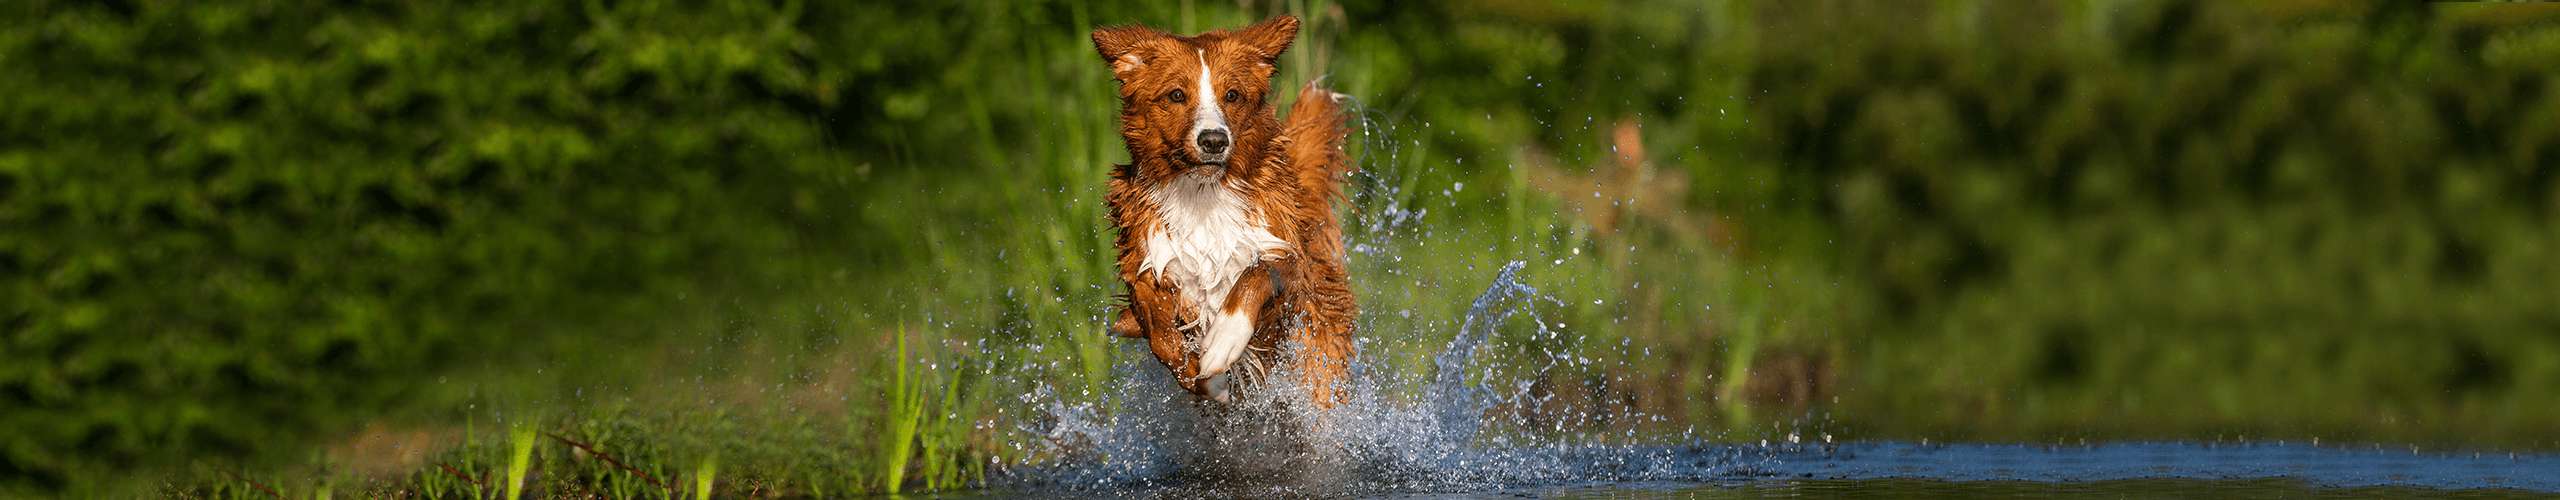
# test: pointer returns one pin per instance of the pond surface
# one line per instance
(1907, 470)
(1930, 488)
(2304, 465)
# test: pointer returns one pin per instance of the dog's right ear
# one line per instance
(1119, 48)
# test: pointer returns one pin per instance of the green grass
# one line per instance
(519, 459)
(906, 411)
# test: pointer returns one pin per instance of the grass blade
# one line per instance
(704, 475)
(519, 458)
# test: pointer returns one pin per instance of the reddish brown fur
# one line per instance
(1289, 174)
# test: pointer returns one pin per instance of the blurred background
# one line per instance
(311, 240)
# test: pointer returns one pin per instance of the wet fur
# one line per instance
(1286, 175)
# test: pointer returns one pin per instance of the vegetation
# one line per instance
(285, 247)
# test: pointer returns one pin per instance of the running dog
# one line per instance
(1227, 235)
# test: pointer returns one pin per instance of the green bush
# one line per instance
(233, 223)
(2081, 206)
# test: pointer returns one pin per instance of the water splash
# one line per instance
(1450, 436)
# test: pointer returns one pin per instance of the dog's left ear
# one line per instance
(1271, 37)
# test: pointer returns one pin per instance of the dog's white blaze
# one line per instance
(1208, 238)
(1207, 116)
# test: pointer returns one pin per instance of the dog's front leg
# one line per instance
(1153, 312)
(1224, 337)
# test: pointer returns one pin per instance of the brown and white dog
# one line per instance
(1227, 233)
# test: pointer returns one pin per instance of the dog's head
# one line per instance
(1195, 101)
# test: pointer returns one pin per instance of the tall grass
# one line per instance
(705, 475)
(519, 458)
(906, 410)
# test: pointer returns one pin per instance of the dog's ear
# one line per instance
(1271, 37)
(1119, 47)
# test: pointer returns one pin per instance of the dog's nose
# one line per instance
(1213, 141)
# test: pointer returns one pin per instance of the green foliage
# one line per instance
(230, 223)
(232, 230)
(2219, 214)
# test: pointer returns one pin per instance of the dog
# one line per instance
(1227, 235)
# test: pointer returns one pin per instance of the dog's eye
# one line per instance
(1175, 96)
(1232, 96)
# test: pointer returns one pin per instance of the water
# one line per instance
(2125, 470)
(1924, 488)
(1448, 439)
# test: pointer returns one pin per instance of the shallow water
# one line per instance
(2201, 462)
(1929, 488)
(1904, 470)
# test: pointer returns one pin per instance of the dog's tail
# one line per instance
(1314, 137)
(1316, 130)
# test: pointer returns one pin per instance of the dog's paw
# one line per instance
(1220, 388)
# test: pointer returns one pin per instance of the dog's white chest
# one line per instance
(1209, 236)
